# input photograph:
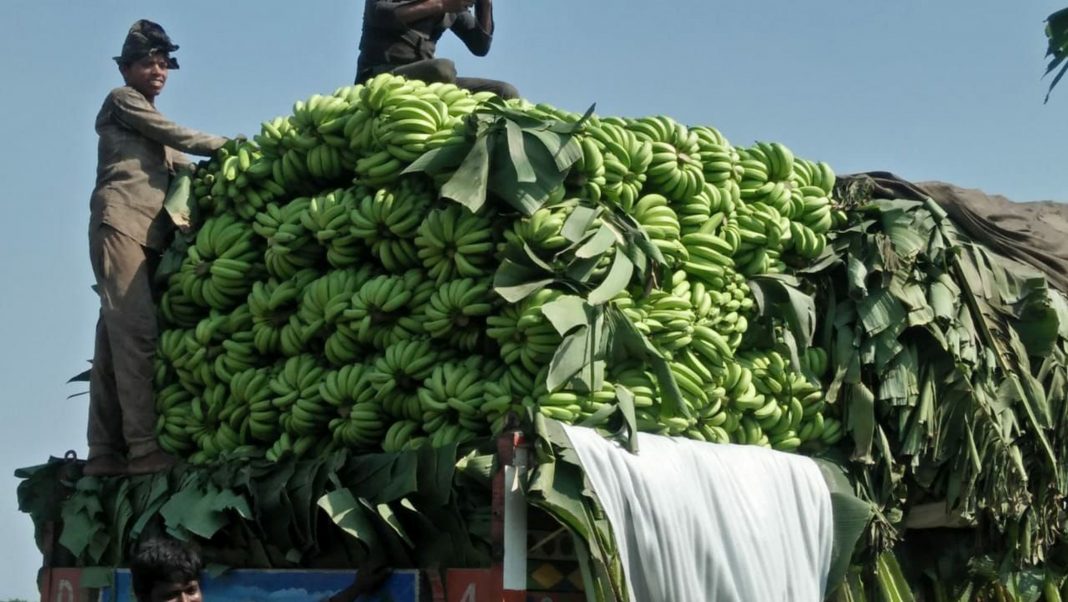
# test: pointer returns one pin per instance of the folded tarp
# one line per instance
(709, 522)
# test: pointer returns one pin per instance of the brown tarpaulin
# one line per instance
(1034, 233)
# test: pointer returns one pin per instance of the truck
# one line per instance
(497, 268)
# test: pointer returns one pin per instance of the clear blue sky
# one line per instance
(930, 90)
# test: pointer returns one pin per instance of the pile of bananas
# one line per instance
(331, 301)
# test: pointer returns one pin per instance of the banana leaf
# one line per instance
(514, 157)
(947, 364)
(558, 486)
(326, 512)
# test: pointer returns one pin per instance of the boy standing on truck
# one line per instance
(127, 232)
(400, 36)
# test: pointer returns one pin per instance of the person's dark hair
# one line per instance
(163, 561)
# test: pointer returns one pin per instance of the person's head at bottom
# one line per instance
(166, 570)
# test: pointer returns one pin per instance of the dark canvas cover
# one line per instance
(1035, 233)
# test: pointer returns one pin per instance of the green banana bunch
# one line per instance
(515, 391)
(326, 163)
(524, 334)
(626, 160)
(813, 213)
(307, 149)
(404, 435)
(762, 232)
(661, 223)
(675, 169)
(359, 422)
(455, 243)
(810, 173)
(170, 353)
(178, 309)
(295, 385)
(704, 396)
(636, 378)
(452, 396)
(203, 421)
(720, 162)
(195, 364)
(378, 169)
(386, 310)
(587, 175)
(564, 406)
(669, 320)
(572, 406)
(456, 310)
(271, 136)
(720, 297)
(285, 146)
(289, 445)
(352, 130)
(325, 299)
(407, 123)
(209, 426)
(291, 247)
(459, 101)
(319, 109)
(327, 219)
(597, 406)
(791, 412)
(221, 266)
(778, 196)
(454, 133)
(703, 301)
(710, 258)
(323, 119)
(399, 373)
(695, 213)
(815, 363)
(174, 408)
(163, 375)
(251, 412)
(239, 354)
(697, 382)
(273, 306)
(233, 180)
(777, 159)
(805, 242)
(381, 92)
(386, 221)
(710, 428)
(386, 144)
(541, 234)
(734, 306)
(792, 197)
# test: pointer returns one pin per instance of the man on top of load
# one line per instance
(136, 157)
(400, 36)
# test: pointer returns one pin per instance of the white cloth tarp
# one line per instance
(701, 522)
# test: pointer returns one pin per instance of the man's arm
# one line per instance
(409, 12)
(178, 160)
(484, 14)
(134, 111)
(476, 31)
